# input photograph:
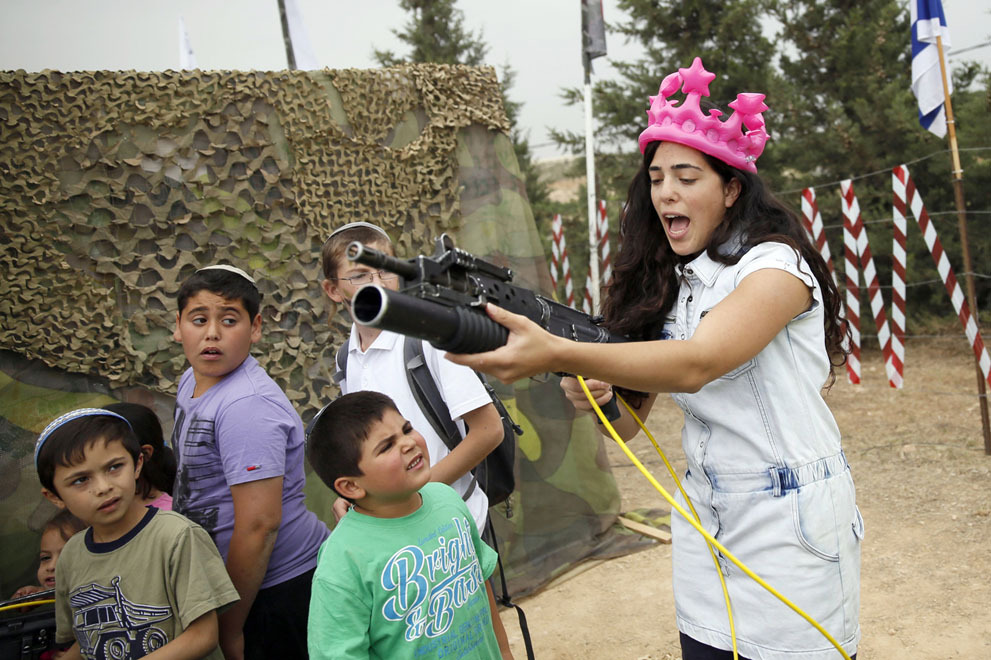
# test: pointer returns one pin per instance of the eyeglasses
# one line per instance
(366, 277)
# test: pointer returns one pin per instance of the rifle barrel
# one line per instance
(362, 254)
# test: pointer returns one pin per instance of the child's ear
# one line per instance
(330, 288)
(138, 464)
(177, 333)
(147, 451)
(53, 498)
(349, 488)
(256, 329)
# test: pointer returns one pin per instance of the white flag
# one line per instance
(302, 50)
(187, 59)
(928, 22)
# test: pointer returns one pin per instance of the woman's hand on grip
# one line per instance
(601, 391)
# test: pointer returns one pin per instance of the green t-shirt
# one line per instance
(404, 588)
(126, 598)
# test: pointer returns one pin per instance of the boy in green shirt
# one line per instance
(404, 573)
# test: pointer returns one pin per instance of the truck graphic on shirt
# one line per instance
(108, 625)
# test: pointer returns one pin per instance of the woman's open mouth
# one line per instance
(677, 224)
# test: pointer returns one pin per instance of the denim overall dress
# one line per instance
(769, 481)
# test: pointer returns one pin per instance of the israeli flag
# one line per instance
(928, 22)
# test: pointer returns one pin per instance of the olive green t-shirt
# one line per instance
(128, 597)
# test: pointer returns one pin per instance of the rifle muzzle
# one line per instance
(454, 329)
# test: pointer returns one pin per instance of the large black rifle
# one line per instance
(442, 300)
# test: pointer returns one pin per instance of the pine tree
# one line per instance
(837, 79)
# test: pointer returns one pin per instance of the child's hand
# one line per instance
(340, 507)
(27, 590)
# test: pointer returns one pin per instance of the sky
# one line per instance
(539, 39)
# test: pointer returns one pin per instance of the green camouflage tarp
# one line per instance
(115, 186)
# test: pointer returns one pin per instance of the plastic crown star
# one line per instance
(686, 124)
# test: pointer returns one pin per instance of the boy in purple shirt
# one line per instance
(239, 447)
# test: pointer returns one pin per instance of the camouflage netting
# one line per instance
(116, 186)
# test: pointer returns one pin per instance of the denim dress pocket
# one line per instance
(826, 517)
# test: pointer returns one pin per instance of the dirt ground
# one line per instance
(924, 489)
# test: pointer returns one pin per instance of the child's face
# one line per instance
(216, 335)
(51, 547)
(394, 461)
(99, 490)
(342, 290)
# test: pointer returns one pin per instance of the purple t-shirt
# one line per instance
(240, 430)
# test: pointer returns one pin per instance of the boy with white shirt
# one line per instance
(375, 361)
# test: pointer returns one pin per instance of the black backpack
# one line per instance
(495, 475)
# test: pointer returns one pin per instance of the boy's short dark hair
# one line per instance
(337, 433)
(222, 283)
(67, 444)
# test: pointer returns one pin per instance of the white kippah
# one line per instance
(354, 225)
(229, 269)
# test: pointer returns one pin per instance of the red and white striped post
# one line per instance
(606, 258)
(905, 187)
(898, 262)
(851, 208)
(587, 304)
(813, 225)
(557, 233)
(852, 281)
(569, 292)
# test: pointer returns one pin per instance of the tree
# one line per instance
(436, 32)
(837, 79)
(726, 34)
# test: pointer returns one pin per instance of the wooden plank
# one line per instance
(654, 533)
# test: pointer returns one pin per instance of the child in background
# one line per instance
(55, 533)
(138, 579)
(403, 576)
(158, 471)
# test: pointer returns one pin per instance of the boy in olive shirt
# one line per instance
(138, 579)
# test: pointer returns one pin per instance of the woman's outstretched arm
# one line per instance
(734, 331)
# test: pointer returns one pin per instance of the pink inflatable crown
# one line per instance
(687, 125)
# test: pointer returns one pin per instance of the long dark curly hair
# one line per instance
(644, 286)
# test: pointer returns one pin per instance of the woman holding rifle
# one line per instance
(733, 311)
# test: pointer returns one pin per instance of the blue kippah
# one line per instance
(68, 417)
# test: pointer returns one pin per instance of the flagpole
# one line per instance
(290, 56)
(962, 226)
(593, 223)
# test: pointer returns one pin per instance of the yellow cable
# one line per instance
(708, 537)
(677, 481)
(30, 603)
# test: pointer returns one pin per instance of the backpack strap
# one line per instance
(504, 598)
(342, 363)
(428, 397)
